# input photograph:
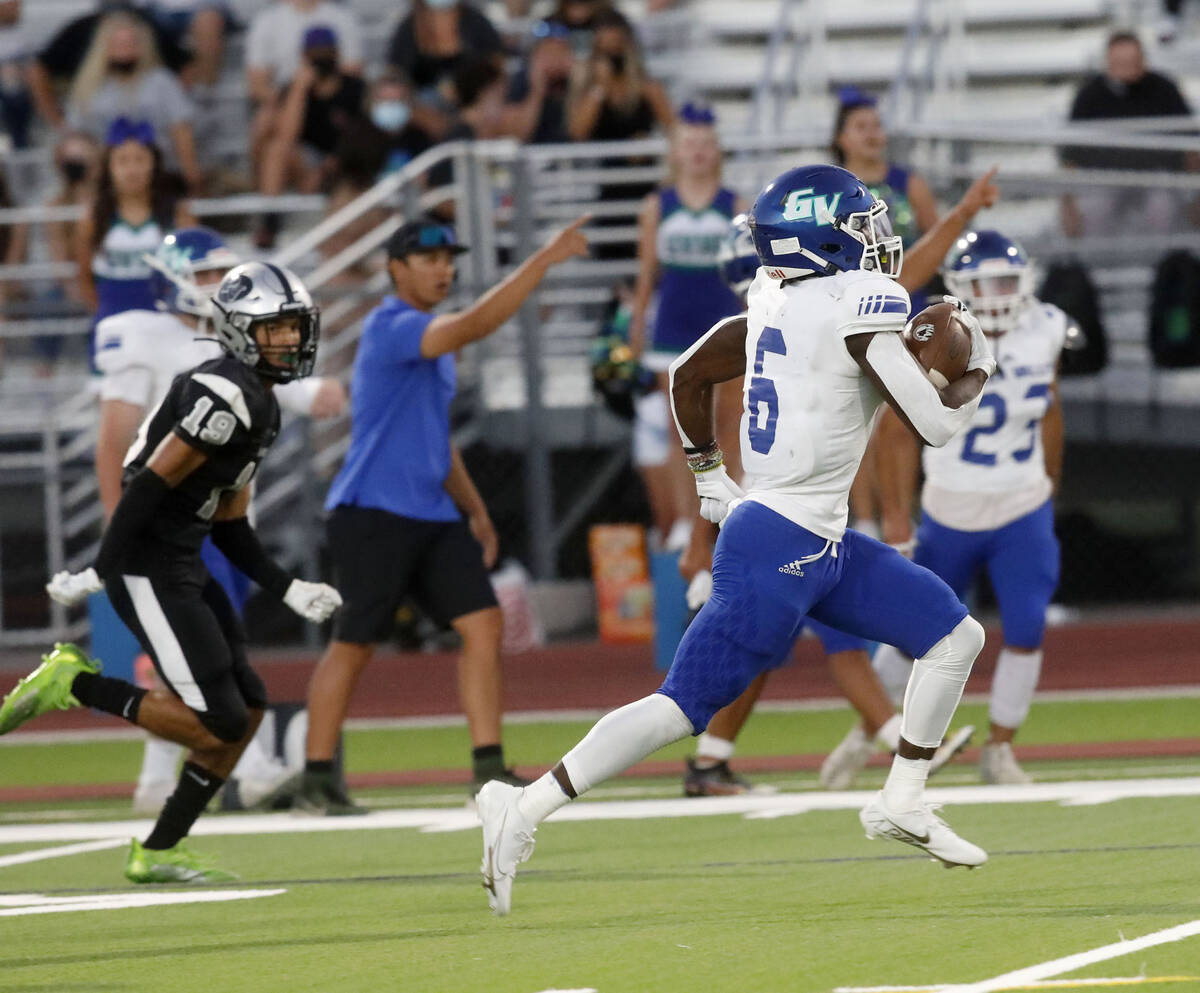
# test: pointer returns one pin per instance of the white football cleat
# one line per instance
(847, 760)
(951, 746)
(507, 841)
(923, 829)
(998, 765)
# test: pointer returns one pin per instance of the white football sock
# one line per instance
(541, 798)
(160, 761)
(888, 736)
(709, 746)
(893, 668)
(937, 682)
(905, 784)
(1013, 685)
(624, 737)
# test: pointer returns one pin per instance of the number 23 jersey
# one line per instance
(995, 472)
(223, 409)
(807, 407)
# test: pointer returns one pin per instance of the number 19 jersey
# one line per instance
(223, 409)
(996, 472)
(807, 407)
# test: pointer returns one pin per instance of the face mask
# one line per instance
(73, 170)
(390, 115)
(440, 4)
(123, 67)
(326, 65)
(617, 61)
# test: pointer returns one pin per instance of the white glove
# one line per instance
(717, 491)
(699, 590)
(312, 601)
(981, 349)
(71, 588)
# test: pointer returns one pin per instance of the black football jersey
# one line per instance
(223, 409)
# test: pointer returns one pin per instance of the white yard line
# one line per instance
(24, 905)
(750, 805)
(37, 855)
(592, 714)
(1056, 967)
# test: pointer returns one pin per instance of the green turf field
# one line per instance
(667, 904)
(714, 903)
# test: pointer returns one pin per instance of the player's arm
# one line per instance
(897, 465)
(934, 416)
(450, 332)
(921, 261)
(466, 497)
(172, 462)
(720, 355)
(1052, 438)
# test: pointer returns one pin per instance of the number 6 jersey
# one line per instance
(995, 472)
(223, 409)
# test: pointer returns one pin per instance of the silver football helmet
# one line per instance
(260, 291)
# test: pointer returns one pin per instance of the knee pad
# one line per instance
(956, 653)
(228, 725)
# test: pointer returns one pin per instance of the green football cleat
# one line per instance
(171, 865)
(47, 688)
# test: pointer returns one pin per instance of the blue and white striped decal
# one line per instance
(882, 303)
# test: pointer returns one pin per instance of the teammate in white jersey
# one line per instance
(986, 500)
(139, 353)
(821, 351)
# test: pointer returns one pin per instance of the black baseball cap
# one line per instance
(423, 235)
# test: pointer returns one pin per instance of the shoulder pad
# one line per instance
(226, 389)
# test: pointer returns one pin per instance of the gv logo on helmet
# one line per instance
(923, 332)
(801, 205)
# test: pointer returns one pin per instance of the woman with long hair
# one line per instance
(681, 229)
(123, 76)
(133, 208)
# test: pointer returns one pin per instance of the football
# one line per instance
(940, 343)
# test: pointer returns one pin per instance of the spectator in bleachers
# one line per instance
(16, 104)
(134, 206)
(199, 26)
(275, 50)
(122, 76)
(538, 92)
(75, 161)
(1126, 89)
(613, 99)
(580, 17)
(320, 104)
(383, 141)
(57, 64)
(431, 44)
(681, 229)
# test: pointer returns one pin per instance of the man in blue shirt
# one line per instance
(396, 524)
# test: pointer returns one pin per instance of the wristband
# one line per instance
(705, 459)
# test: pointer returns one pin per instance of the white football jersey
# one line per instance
(996, 472)
(139, 353)
(808, 407)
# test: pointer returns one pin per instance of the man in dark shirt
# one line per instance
(1126, 89)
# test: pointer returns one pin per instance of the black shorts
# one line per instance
(380, 559)
(188, 627)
